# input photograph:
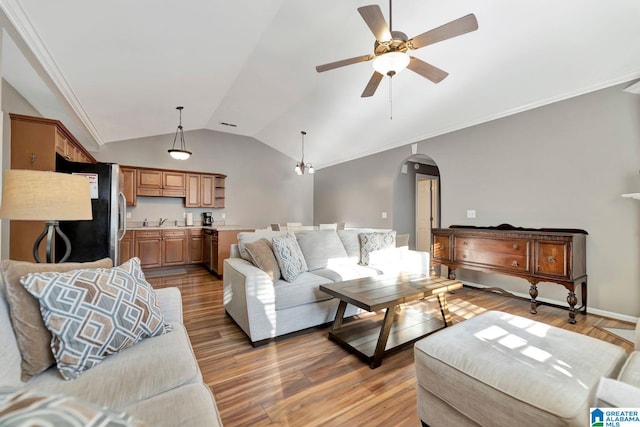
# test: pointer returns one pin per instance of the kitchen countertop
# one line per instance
(181, 227)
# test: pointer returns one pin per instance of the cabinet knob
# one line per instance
(441, 247)
(514, 263)
(464, 256)
(465, 243)
(551, 259)
(515, 246)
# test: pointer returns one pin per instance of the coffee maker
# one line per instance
(207, 218)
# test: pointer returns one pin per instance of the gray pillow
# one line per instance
(320, 248)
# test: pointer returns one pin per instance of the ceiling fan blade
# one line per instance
(426, 70)
(374, 81)
(338, 64)
(460, 26)
(374, 19)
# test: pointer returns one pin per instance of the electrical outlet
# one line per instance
(471, 213)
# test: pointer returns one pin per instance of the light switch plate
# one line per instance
(384, 215)
(471, 213)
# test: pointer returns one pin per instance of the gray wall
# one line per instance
(261, 187)
(562, 165)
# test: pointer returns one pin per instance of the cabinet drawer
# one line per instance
(156, 192)
(506, 246)
(441, 247)
(174, 233)
(493, 259)
(157, 234)
(195, 232)
(552, 258)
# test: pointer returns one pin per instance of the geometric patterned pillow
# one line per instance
(27, 408)
(370, 242)
(289, 256)
(93, 313)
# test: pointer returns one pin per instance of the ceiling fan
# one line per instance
(390, 48)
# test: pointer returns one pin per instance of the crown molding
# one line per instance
(25, 30)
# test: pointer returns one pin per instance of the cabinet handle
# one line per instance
(464, 256)
(514, 263)
(515, 246)
(551, 259)
(441, 247)
(465, 243)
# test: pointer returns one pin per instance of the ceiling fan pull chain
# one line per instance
(390, 98)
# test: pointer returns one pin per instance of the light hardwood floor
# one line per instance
(307, 380)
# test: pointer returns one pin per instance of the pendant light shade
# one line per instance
(301, 166)
(179, 153)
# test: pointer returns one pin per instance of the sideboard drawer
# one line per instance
(552, 258)
(441, 247)
(505, 246)
(497, 260)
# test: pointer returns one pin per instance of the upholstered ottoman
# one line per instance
(502, 370)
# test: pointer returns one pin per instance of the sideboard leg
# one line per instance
(533, 291)
(452, 274)
(584, 296)
(572, 300)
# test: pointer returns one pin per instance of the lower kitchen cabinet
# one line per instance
(126, 247)
(174, 247)
(196, 240)
(148, 247)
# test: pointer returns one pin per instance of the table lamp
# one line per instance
(30, 195)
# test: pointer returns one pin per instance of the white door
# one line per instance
(426, 210)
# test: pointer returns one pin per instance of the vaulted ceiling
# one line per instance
(123, 66)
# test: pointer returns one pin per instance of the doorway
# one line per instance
(427, 209)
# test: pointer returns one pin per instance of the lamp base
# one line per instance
(50, 229)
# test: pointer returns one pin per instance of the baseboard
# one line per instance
(604, 313)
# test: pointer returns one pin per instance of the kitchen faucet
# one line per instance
(162, 221)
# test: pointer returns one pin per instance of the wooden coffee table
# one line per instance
(373, 337)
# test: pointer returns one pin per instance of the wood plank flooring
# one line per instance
(307, 380)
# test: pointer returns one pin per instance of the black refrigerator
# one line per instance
(100, 237)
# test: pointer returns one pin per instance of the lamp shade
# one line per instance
(48, 196)
(391, 62)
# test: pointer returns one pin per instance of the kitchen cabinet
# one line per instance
(174, 247)
(207, 249)
(35, 143)
(127, 250)
(218, 248)
(192, 192)
(196, 240)
(129, 185)
(148, 247)
(218, 192)
(207, 191)
(160, 183)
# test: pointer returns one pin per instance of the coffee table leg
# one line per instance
(382, 338)
(337, 322)
(444, 308)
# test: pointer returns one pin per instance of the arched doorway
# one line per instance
(417, 200)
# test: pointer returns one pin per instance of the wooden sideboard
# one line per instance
(541, 255)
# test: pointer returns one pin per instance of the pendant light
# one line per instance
(301, 166)
(179, 153)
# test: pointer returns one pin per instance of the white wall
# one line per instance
(261, 187)
(562, 165)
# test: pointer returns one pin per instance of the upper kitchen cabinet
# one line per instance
(36, 140)
(129, 185)
(218, 192)
(192, 194)
(156, 182)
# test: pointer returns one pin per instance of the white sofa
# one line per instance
(264, 309)
(156, 381)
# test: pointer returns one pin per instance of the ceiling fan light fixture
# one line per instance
(301, 166)
(391, 63)
(179, 153)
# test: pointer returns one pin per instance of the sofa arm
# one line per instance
(170, 302)
(616, 394)
(249, 298)
(415, 261)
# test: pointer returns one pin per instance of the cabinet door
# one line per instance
(126, 247)
(195, 246)
(441, 247)
(207, 186)
(173, 184)
(129, 186)
(148, 247)
(61, 144)
(192, 193)
(148, 182)
(174, 247)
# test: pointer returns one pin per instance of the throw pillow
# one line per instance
(32, 336)
(402, 240)
(92, 313)
(370, 242)
(262, 257)
(28, 408)
(289, 256)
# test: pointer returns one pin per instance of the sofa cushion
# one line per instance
(289, 256)
(191, 405)
(630, 372)
(248, 237)
(32, 336)
(93, 313)
(303, 290)
(151, 367)
(321, 248)
(262, 256)
(9, 355)
(371, 242)
(24, 407)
